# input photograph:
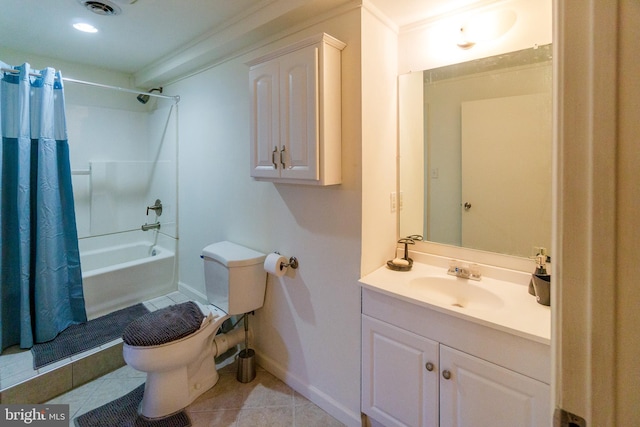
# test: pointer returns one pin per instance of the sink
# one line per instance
(456, 292)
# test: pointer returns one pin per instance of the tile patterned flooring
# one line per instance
(265, 401)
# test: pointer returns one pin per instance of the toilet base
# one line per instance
(166, 393)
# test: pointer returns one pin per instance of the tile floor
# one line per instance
(266, 401)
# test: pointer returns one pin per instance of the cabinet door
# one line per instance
(398, 389)
(482, 394)
(265, 121)
(299, 137)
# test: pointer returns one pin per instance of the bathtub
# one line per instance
(124, 269)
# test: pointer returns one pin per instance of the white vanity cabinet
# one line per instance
(399, 375)
(474, 392)
(422, 367)
(296, 113)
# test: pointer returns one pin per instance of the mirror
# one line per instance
(475, 143)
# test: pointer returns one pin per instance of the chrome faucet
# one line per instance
(157, 207)
(465, 271)
(154, 226)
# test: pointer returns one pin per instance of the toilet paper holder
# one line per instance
(293, 262)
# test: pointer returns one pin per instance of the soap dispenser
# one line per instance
(540, 284)
(541, 269)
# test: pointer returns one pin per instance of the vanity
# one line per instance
(439, 350)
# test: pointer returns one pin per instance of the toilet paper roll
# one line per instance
(275, 264)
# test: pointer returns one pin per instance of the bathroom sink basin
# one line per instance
(456, 292)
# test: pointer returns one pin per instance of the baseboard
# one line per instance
(318, 397)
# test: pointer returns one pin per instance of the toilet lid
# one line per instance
(165, 325)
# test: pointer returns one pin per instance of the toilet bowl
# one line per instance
(180, 370)
(176, 345)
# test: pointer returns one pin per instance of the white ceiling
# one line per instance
(148, 30)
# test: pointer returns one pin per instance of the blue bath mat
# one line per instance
(123, 412)
(85, 336)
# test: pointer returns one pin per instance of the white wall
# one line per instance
(308, 332)
(432, 44)
(379, 140)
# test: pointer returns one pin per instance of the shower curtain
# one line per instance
(41, 283)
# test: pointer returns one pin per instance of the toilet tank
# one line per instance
(234, 276)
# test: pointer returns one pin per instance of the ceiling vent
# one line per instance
(101, 7)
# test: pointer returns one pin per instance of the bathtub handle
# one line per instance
(157, 207)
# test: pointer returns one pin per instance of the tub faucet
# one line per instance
(154, 226)
(157, 208)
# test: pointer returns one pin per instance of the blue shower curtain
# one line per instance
(41, 283)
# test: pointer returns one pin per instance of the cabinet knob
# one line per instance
(446, 374)
(273, 157)
(429, 366)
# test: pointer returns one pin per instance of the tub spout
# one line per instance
(147, 227)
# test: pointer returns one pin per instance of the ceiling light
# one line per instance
(84, 27)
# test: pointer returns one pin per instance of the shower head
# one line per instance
(144, 97)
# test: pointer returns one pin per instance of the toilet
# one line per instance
(176, 345)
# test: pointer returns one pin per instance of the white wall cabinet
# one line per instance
(409, 379)
(296, 113)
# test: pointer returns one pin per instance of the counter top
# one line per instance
(518, 313)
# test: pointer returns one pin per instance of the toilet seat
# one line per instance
(169, 324)
(164, 325)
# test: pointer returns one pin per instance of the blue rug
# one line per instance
(123, 412)
(85, 336)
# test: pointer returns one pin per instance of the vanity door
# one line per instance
(474, 392)
(399, 376)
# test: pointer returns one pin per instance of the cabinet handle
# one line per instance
(282, 156)
(429, 366)
(446, 374)
(273, 157)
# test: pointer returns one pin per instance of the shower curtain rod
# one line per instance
(175, 98)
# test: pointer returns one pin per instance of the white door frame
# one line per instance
(584, 248)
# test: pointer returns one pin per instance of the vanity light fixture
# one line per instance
(463, 42)
(486, 26)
